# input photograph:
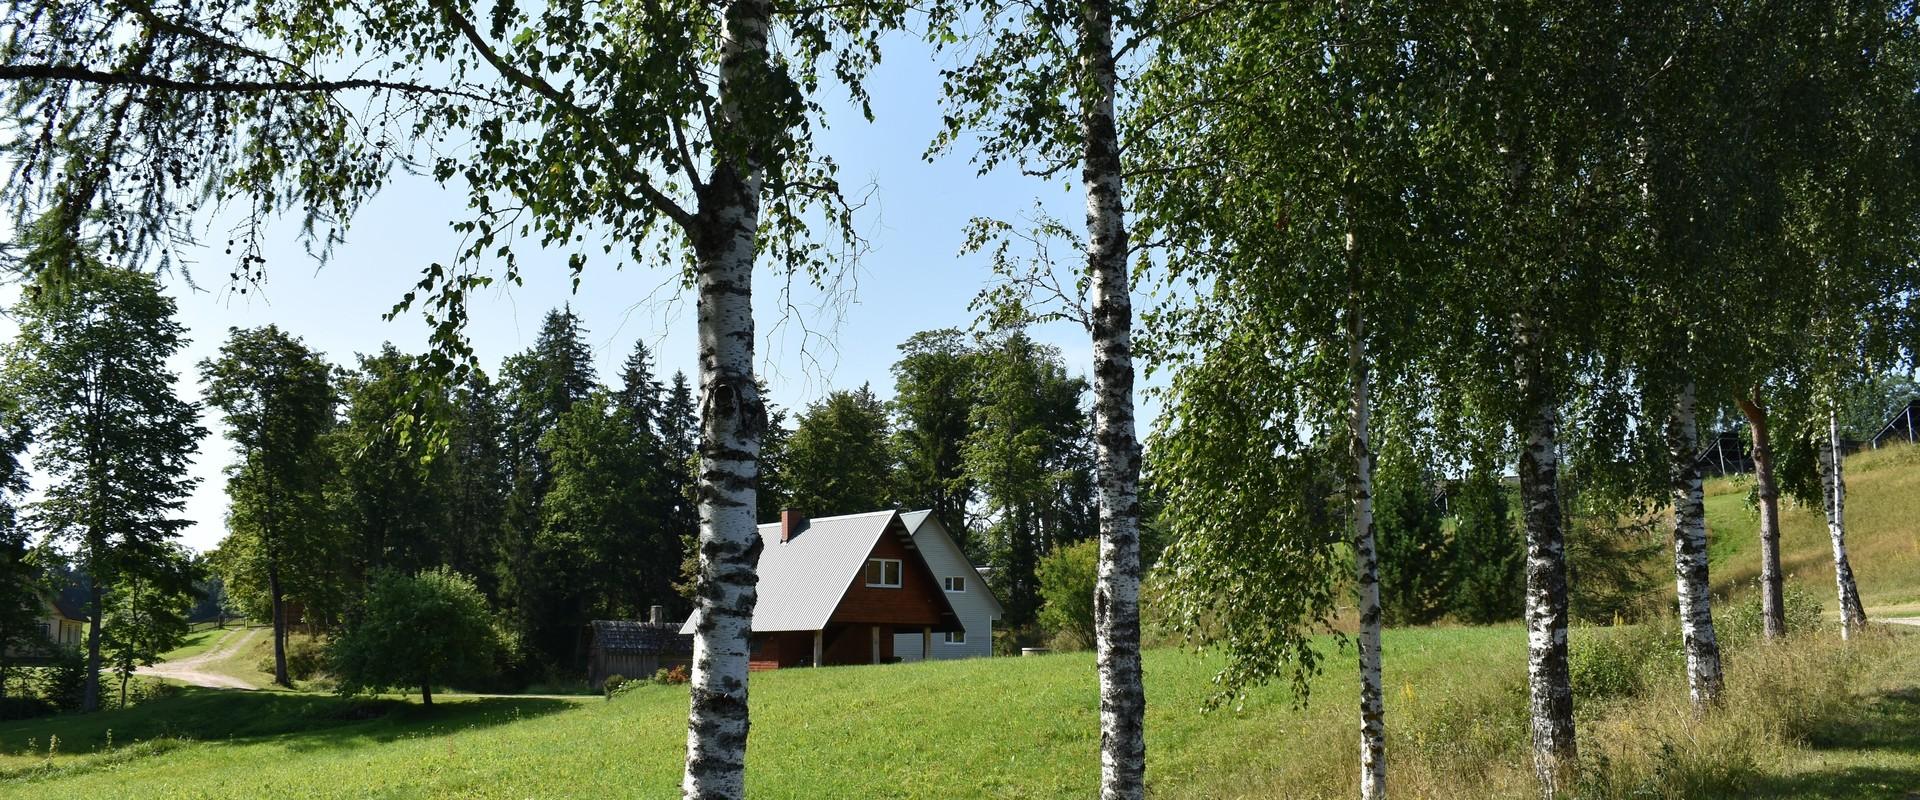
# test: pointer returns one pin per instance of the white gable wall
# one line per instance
(976, 606)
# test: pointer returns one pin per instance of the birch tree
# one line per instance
(671, 132)
(1854, 213)
(1275, 172)
(1041, 91)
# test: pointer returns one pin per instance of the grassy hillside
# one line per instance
(1015, 728)
(1883, 534)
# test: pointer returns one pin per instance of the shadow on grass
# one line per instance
(305, 720)
(1873, 756)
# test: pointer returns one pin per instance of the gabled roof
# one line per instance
(625, 637)
(802, 580)
(915, 519)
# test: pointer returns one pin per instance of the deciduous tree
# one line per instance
(90, 371)
(277, 399)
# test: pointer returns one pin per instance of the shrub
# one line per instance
(416, 631)
(12, 708)
(675, 674)
(613, 684)
(64, 683)
(1067, 578)
(1739, 623)
(306, 658)
(1621, 662)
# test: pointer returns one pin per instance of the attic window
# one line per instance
(954, 583)
(883, 572)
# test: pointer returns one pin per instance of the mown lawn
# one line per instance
(1013, 728)
(200, 641)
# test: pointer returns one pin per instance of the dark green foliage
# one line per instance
(772, 484)
(1028, 454)
(478, 483)
(935, 391)
(415, 632)
(1614, 562)
(146, 615)
(390, 496)
(91, 376)
(23, 582)
(1067, 576)
(277, 399)
(1417, 563)
(1487, 568)
(306, 659)
(838, 460)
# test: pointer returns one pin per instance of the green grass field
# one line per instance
(1812, 718)
(1017, 728)
(1883, 534)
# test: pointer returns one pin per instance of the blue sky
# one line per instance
(912, 279)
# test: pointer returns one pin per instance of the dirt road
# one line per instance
(193, 670)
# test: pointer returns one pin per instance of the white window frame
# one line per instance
(899, 570)
(951, 581)
(952, 637)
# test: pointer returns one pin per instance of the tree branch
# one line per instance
(81, 74)
(616, 159)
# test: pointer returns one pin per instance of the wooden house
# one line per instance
(844, 590)
(636, 649)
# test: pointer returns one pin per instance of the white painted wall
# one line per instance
(976, 606)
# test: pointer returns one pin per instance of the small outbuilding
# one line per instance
(636, 649)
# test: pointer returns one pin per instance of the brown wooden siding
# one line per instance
(916, 603)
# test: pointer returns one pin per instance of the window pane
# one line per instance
(893, 573)
(873, 571)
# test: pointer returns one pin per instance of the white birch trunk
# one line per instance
(1116, 602)
(732, 417)
(1697, 638)
(1549, 682)
(1773, 611)
(1853, 618)
(1373, 726)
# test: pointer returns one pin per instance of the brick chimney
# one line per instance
(792, 522)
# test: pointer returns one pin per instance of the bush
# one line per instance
(1621, 662)
(414, 632)
(1067, 577)
(613, 684)
(64, 683)
(1739, 623)
(306, 658)
(13, 708)
(675, 674)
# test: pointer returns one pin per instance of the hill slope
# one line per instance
(1883, 534)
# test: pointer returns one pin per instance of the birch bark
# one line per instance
(1549, 682)
(1773, 611)
(731, 421)
(1373, 730)
(1702, 648)
(1116, 603)
(1853, 618)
